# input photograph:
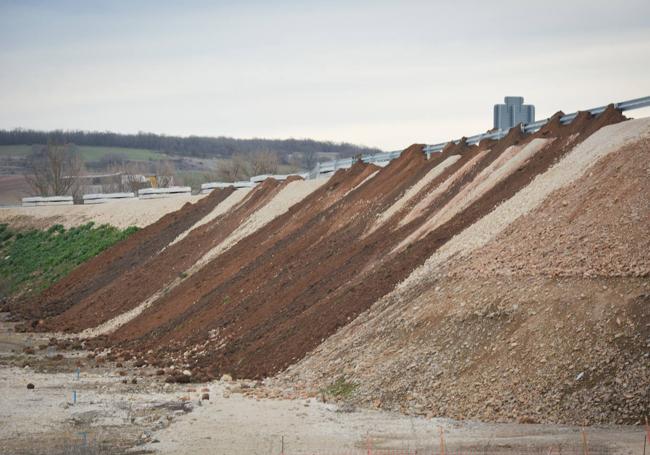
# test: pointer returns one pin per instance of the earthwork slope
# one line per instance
(538, 312)
(503, 281)
(273, 290)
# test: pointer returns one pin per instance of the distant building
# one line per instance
(513, 112)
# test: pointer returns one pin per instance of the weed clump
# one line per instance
(341, 388)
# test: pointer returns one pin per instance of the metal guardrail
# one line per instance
(532, 127)
(332, 166)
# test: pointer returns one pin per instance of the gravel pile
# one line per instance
(235, 198)
(510, 349)
(507, 163)
(603, 142)
(291, 194)
(430, 198)
(597, 226)
(538, 312)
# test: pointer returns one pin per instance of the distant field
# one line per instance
(90, 153)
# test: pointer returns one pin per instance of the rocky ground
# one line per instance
(121, 408)
(549, 351)
(547, 321)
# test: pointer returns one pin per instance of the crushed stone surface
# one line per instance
(604, 141)
(122, 214)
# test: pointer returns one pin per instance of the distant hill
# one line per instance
(191, 146)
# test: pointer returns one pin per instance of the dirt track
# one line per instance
(125, 213)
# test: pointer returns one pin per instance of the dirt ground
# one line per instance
(151, 416)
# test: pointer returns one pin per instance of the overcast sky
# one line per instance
(384, 74)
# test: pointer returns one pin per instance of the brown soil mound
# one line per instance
(150, 274)
(272, 297)
(548, 322)
(108, 265)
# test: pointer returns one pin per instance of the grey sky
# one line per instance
(385, 74)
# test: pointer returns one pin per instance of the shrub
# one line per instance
(341, 388)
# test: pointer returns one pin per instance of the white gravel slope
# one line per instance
(604, 141)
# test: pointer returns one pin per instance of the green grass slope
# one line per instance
(31, 261)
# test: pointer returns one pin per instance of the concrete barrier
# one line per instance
(262, 177)
(152, 193)
(243, 184)
(100, 198)
(37, 201)
(207, 187)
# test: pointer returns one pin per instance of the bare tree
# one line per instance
(114, 183)
(265, 162)
(309, 159)
(54, 170)
(233, 170)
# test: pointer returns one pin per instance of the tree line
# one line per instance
(191, 146)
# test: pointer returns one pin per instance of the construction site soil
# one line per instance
(141, 279)
(254, 316)
(267, 281)
(106, 267)
(549, 321)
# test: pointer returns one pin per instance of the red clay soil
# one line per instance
(101, 270)
(139, 282)
(268, 300)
